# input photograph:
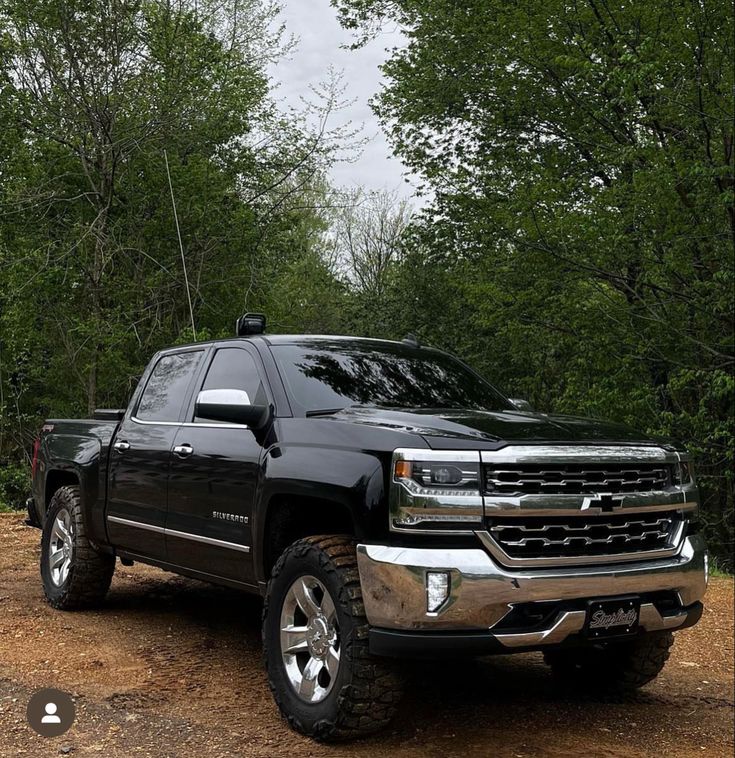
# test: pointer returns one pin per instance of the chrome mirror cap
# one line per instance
(223, 397)
(231, 406)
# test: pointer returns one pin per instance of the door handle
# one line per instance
(121, 446)
(183, 451)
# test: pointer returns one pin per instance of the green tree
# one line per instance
(580, 160)
(95, 97)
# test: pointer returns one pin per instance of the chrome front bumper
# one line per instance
(482, 592)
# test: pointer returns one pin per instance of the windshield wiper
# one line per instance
(332, 411)
(323, 412)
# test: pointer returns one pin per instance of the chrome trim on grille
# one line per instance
(579, 560)
(649, 528)
(577, 453)
(576, 478)
(566, 505)
(593, 493)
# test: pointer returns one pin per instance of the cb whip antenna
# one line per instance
(181, 246)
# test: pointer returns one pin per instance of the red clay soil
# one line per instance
(172, 667)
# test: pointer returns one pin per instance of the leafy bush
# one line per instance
(14, 487)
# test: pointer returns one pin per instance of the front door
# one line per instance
(213, 477)
(141, 454)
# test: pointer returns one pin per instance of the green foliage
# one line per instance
(95, 99)
(578, 246)
(14, 487)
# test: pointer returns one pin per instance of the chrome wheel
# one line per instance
(310, 642)
(61, 547)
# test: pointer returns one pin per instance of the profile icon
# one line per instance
(50, 712)
(50, 717)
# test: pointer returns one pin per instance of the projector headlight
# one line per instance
(436, 491)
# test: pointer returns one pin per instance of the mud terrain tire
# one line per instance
(363, 694)
(82, 578)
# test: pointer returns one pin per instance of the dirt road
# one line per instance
(171, 667)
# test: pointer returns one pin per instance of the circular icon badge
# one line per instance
(50, 712)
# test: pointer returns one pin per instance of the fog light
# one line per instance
(706, 569)
(437, 590)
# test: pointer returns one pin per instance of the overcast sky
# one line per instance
(314, 23)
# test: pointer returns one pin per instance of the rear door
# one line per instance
(214, 475)
(141, 454)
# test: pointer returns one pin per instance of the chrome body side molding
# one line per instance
(182, 535)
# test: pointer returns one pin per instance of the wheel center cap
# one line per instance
(318, 636)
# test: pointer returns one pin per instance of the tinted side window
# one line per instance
(165, 392)
(235, 369)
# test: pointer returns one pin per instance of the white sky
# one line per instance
(319, 36)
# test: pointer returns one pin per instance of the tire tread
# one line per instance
(91, 574)
(369, 702)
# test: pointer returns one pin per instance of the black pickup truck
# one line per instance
(387, 502)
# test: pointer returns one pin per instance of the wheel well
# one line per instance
(290, 519)
(56, 480)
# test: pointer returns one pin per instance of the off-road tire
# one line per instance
(615, 667)
(90, 571)
(366, 690)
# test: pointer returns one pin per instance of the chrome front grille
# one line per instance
(573, 537)
(516, 479)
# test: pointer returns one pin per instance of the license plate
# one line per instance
(612, 617)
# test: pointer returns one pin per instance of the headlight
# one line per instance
(436, 491)
(683, 471)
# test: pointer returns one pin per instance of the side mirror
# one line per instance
(521, 405)
(231, 406)
(108, 414)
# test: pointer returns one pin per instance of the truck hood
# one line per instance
(436, 426)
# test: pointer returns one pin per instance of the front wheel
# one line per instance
(74, 573)
(320, 671)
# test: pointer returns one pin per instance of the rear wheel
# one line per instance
(320, 671)
(74, 573)
(615, 667)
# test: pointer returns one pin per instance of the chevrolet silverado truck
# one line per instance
(387, 502)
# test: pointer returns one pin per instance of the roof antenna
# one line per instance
(181, 245)
(412, 340)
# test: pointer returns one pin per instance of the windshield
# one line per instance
(334, 375)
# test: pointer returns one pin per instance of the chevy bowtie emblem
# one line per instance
(605, 503)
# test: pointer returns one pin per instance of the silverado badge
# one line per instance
(230, 517)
